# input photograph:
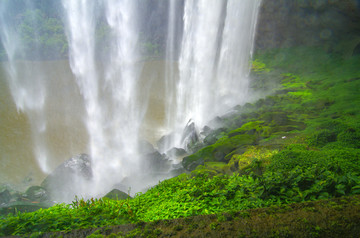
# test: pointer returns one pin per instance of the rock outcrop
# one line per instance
(68, 178)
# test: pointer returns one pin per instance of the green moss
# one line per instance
(259, 67)
(198, 158)
(242, 162)
(218, 151)
(219, 167)
(251, 128)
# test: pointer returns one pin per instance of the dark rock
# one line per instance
(218, 152)
(206, 131)
(284, 23)
(164, 142)
(176, 152)
(116, 194)
(146, 147)
(177, 171)
(190, 136)
(37, 193)
(5, 196)
(190, 163)
(67, 179)
(216, 122)
(23, 206)
(213, 136)
(80, 165)
(155, 162)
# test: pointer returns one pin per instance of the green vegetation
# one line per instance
(43, 34)
(38, 27)
(300, 143)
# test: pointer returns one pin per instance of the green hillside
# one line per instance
(299, 143)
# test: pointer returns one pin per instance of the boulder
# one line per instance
(176, 152)
(190, 136)
(213, 135)
(146, 147)
(5, 196)
(37, 194)
(163, 142)
(176, 169)
(219, 151)
(155, 162)
(215, 123)
(68, 178)
(23, 206)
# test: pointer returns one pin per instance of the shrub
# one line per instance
(322, 137)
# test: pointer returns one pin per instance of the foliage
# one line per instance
(41, 36)
(185, 196)
(79, 214)
(259, 67)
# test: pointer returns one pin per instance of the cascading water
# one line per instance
(29, 95)
(114, 112)
(214, 61)
(108, 92)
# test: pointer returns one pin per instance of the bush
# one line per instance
(322, 137)
(340, 160)
(349, 138)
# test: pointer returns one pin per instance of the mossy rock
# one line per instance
(201, 170)
(116, 194)
(214, 135)
(219, 167)
(5, 196)
(218, 152)
(276, 117)
(240, 162)
(24, 206)
(250, 128)
(37, 193)
(198, 158)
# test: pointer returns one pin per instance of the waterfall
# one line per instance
(100, 106)
(114, 113)
(29, 95)
(214, 59)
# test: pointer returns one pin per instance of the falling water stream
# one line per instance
(213, 62)
(108, 97)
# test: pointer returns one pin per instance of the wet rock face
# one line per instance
(176, 152)
(12, 201)
(155, 162)
(68, 178)
(37, 194)
(284, 23)
(5, 196)
(80, 165)
(190, 137)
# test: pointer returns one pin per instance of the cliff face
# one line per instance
(333, 24)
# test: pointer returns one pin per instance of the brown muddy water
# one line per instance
(66, 133)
